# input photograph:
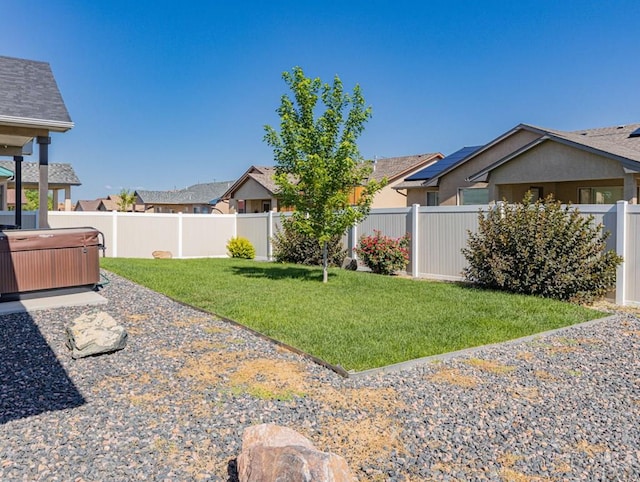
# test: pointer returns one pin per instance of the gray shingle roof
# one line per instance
(28, 90)
(395, 167)
(196, 194)
(59, 173)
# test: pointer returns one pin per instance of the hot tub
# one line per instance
(48, 259)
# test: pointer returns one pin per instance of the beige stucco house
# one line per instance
(592, 166)
(256, 191)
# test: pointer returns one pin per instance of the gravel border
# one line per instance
(174, 403)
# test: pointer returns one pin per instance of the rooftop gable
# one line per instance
(393, 168)
(29, 96)
(204, 193)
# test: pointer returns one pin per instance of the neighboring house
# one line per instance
(200, 198)
(87, 205)
(592, 166)
(256, 191)
(109, 203)
(61, 177)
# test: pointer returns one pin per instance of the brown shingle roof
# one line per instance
(396, 167)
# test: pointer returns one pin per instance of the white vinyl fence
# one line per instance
(438, 235)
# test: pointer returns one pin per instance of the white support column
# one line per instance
(269, 235)
(621, 242)
(415, 212)
(354, 241)
(114, 234)
(180, 234)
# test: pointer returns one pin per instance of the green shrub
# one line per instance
(293, 246)
(382, 254)
(241, 248)
(542, 249)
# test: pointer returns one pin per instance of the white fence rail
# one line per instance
(438, 235)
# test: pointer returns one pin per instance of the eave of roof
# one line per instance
(5, 172)
(629, 164)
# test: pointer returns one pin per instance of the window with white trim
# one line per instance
(473, 195)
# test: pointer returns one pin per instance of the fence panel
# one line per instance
(254, 227)
(392, 222)
(442, 235)
(102, 221)
(632, 255)
(140, 234)
(206, 235)
(29, 218)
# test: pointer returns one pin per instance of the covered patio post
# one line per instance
(17, 160)
(43, 184)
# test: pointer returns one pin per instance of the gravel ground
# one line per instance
(173, 404)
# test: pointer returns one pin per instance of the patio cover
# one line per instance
(31, 107)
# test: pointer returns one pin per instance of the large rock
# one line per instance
(272, 453)
(350, 264)
(162, 254)
(94, 333)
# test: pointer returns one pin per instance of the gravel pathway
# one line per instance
(173, 404)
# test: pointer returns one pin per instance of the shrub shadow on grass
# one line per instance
(277, 272)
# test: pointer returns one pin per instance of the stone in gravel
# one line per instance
(272, 453)
(95, 333)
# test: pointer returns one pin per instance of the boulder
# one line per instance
(94, 333)
(350, 264)
(272, 453)
(162, 254)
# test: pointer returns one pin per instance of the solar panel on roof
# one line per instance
(436, 168)
(635, 133)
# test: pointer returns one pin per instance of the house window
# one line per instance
(432, 198)
(600, 195)
(473, 195)
(266, 206)
(241, 206)
(536, 193)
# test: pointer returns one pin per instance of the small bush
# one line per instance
(292, 246)
(241, 248)
(542, 249)
(382, 254)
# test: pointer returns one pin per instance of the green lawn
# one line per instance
(358, 320)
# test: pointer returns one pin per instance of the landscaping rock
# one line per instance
(94, 333)
(350, 264)
(162, 254)
(272, 453)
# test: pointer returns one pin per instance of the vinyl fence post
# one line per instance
(180, 234)
(415, 213)
(353, 241)
(621, 238)
(269, 236)
(114, 234)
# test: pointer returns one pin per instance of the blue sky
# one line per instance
(169, 94)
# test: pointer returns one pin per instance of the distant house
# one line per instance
(87, 205)
(61, 177)
(256, 191)
(198, 199)
(591, 166)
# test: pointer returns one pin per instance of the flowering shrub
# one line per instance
(382, 254)
(241, 248)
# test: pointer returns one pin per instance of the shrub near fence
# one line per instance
(437, 236)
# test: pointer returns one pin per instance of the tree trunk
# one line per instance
(325, 263)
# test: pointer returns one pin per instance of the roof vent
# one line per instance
(622, 126)
(635, 133)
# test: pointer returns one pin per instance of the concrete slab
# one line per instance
(49, 302)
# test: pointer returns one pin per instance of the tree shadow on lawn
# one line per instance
(276, 272)
(32, 380)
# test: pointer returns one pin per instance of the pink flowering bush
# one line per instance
(382, 254)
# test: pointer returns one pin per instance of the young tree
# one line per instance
(318, 164)
(32, 198)
(127, 198)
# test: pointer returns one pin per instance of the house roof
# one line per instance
(612, 142)
(205, 193)
(87, 205)
(29, 96)
(263, 175)
(394, 168)
(59, 173)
